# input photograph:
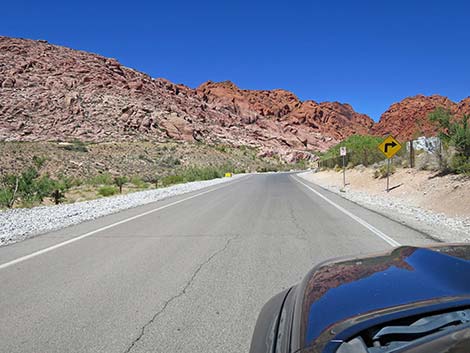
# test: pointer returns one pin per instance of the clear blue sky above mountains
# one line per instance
(366, 53)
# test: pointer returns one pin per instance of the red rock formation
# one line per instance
(409, 118)
(304, 124)
(49, 92)
(463, 107)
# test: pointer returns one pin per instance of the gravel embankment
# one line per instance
(437, 225)
(22, 223)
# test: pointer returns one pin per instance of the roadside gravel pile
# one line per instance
(437, 225)
(19, 224)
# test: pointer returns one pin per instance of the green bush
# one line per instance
(172, 179)
(45, 187)
(107, 190)
(39, 161)
(195, 174)
(361, 149)
(138, 182)
(454, 132)
(30, 188)
(460, 164)
(101, 179)
(202, 173)
(7, 197)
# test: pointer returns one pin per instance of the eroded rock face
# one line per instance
(463, 107)
(299, 125)
(409, 118)
(49, 92)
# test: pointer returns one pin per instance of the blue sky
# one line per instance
(367, 53)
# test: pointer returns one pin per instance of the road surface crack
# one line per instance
(179, 294)
(297, 225)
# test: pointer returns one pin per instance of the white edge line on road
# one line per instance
(80, 237)
(374, 230)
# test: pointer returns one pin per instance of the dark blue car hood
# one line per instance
(338, 291)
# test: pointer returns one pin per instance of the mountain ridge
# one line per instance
(54, 93)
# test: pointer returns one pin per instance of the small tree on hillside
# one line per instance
(119, 181)
(454, 132)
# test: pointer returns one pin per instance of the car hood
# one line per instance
(337, 291)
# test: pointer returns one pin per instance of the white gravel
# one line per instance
(22, 223)
(437, 225)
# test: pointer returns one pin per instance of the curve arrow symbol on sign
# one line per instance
(391, 144)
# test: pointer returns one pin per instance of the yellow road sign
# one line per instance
(228, 175)
(389, 147)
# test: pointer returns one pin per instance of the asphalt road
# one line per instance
(188, 276)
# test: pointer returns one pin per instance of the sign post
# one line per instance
(389, 147)
(342, 152)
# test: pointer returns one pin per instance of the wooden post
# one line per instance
(412, 155)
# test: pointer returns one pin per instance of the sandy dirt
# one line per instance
(449, 194)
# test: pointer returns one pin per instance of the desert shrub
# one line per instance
(203, 173)
(460, 164)
(39, 161)
(44, 187)
(76, 146)
(107, 190)
(9, 190)
(169, 162)
(382, 171)
(267, 168)
(456, 133)
(221, 148)
(138, 182)
(7, 197)
(172, 179)
(101, 179)
(361, 149)
(195, 174)
(30, 188)
(69, 182)
(59, 187)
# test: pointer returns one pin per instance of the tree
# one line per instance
(9, 190)
(119, 181)
(455, 132)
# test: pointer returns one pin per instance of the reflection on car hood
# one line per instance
(337, 291)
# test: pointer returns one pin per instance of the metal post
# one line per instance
(344, 172)
(388, 174)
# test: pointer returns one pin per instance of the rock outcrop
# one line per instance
(302, 125)
(408, 119)
(48, 92)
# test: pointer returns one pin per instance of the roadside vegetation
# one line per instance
(455, 136)
(361, 150)
(35, 174)
(29, 188)
(452, 154)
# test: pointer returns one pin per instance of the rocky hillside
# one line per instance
(305, 124)
(49, 92)
(53, 93)
(408, 119)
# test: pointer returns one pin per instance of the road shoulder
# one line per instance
(436, 225)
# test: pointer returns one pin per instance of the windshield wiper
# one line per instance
(424, 326)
